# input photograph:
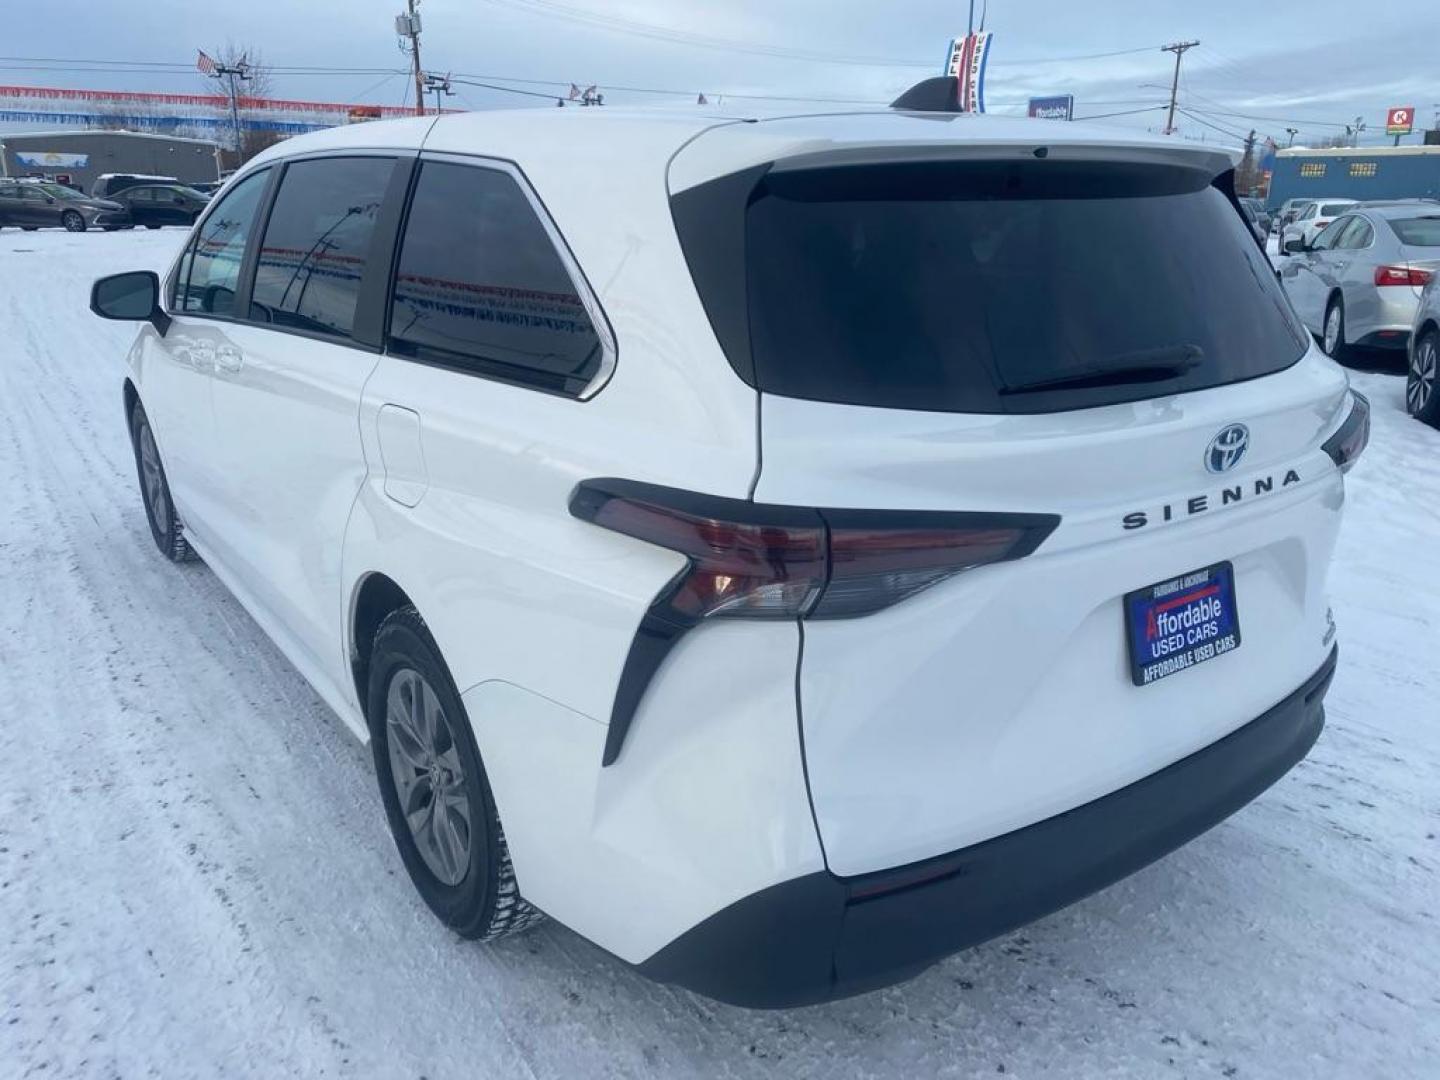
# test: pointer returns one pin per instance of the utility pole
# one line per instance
(1179, 48)
(1292, 132)
(437, 85)
(408, 26)
(229, 72)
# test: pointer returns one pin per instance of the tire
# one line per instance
(148, 226)
(458, 861)
(1422, 381)
(72, 221)
(166, 528)
(1335, 347)
(28, 228)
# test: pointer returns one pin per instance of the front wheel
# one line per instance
(72, 221)
(437, 797)
(1421, 398)
(165, 526)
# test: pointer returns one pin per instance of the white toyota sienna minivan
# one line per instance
(784, 550)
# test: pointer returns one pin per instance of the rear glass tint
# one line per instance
(990, 287)
(1417, 231)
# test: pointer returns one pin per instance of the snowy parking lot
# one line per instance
(196, 878)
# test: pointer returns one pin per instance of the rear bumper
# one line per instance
(821, 937)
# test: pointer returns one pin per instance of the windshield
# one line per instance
(1418, 231)
(963, 287)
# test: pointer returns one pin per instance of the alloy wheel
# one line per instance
(73, 222)
(1421, 385)
(154, 481)
(429, 780)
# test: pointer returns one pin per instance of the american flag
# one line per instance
(205, 64)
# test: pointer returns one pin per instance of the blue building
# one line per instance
(1371, 172)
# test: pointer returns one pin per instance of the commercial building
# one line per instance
(78, 157)
(1370, 172)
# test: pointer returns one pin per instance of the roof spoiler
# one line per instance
(938, 94)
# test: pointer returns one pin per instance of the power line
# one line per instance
(1127, 112)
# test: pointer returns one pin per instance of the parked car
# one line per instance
(41, 205)
(108, 185)
(208, 187)
(1422, 381)
(1289, 210)
(469, 423)
(154, 205)
(1360, 283)
(1313, 220)
(1260, 218)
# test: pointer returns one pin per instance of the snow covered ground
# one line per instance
(196, 878)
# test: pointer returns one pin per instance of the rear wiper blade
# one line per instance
(1147, 365)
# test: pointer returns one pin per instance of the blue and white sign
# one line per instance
(46, 159)
(1058, 107)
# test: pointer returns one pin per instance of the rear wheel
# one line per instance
(1332, 339)
(165, 526)
(442, 813)
(148, 225)
(72, 221)
(1422, 397)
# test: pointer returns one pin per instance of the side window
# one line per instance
(140, 194)
(480, 285)
(311, 260)
(1329, 237)
(210, 272)
(1361, 235)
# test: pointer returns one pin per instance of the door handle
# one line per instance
(228, 360)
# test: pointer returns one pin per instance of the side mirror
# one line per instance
(130, 297)
(1295, 246)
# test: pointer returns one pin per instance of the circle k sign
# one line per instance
(1400, 120)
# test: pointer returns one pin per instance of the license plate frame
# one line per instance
(1196, 632)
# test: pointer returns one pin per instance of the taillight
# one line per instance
(1353, 434)
(757, 560)
(1402, 275)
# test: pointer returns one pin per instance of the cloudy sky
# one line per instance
(1310, 64)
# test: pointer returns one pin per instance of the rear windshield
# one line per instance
(1335, 208)
(987, 287)
(1417, 231)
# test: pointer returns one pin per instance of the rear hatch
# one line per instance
(1090, 332)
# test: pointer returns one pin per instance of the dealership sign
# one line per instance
(42, 159)
(1059, 107)
(1400, 120)
(966, 61)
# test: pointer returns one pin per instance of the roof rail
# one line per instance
(938, 94)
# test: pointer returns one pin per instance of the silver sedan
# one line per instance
(1361, 280)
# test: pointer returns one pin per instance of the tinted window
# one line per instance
(308, 273)
(1418, 231)
(139, 194)
(998, 287)
(210, 271)
(481, 286)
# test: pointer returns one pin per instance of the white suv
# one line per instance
(823, 542)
